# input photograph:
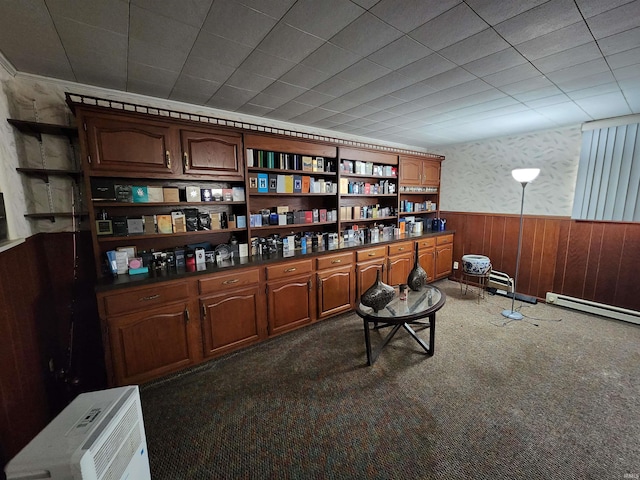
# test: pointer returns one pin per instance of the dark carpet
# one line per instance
(556, 395)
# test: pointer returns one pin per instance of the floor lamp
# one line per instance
(524, 176)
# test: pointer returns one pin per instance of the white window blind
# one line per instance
(608, 183)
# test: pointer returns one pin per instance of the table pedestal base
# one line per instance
(429, 348)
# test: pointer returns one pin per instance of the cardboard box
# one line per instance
(155, 194)
(171, 194)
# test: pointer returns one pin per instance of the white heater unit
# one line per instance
(601, 309)
(500, 281)
(98, 436)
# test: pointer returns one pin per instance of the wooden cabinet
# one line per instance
(370, 261)
(233, 311)
(419, 171)
(211, 152)
(290, 299)
(151, 343)
(122, 144)
(427, 256)
(399, 263)
(444, 255)
(336, 284)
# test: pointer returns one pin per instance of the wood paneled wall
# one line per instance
(36, 291)
(590, 260)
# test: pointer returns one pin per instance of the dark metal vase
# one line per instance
(378, 295)
(417, 277)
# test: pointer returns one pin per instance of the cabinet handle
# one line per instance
(186, 161)
(204, 311)
(372, 254)
(186, 315)
(319, 282)
(400, 249)
(292, 269)
(310, 283)
(167, 159)
(150, 297)
(230, 282)
(336, 261)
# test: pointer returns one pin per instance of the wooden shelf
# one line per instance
(274, 194)
(291, 172)
(292, 226)
(110, 204)
(354, 195)
(36, 129)
(417, 193)
(44, 173)
(359, 175)
(52, 216)
(111, 238)
(358, 220)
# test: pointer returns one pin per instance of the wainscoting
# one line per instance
(37, 294)
(595, 261)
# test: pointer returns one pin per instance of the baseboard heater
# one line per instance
(601, 309)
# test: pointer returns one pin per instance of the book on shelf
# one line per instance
(271, 159)
(237, 194)
(178, 222)
(164, 224)
(307, 163)
(261, 162)
(273, 183)
(253, 183)
(263, 183)
(306, 184)
(280, 187)
(288, 183)
(249, 157)
(140, 194)
(297, 184)
(123, 193)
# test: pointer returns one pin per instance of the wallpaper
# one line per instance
(476, 176)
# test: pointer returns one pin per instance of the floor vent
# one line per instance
(601, 309)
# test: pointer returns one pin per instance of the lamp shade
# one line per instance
(525, 175)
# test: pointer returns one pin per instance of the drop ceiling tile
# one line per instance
(512, 75)
(153, 54)
(152, 28)
(495, 12)
(190, 13)
(207, 68)
(44, 66)
(148, 88)
(197, 87)
(139, 72)
(608, 105)
(545, 18)
(189, 96)
(573, 84)
(331, 59)
(449, 78)
(627, 73)
(386, 101)
(284, 90)
(289, 43)
(567, 58)
(389, 83)
(412, 13)
(427, 67)
(270, 102)
(590, 8)
(546, 101)
(314, 98)
(474, 102)
(314, 115)
(578, 71)
(382, 116)
(528, 85)
(438, 34)
(101, 77)
(557, 41)
(291, 109)
(362, 110)
(615, 21)
(399, 53)
(399, 110)
(360, 95)
(247, 80)
(266, 65)
(274, 8)
(236, 97)
(325, 123)
(537, 94)
(365, 35)
(472, 48)
(82, 39)
(220, 49)
(360, 122)
(620, 42)
(340, 118)
(305, 77)
(105, 14)
(496, 62)
(238, 23)
(603, 89)
(363, 72)
(335, 87)
(339, 104)
(256, 110)
(322, 19)
(625, 59)
(412, 92)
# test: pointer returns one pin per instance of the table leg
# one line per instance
(367, 341)
(432, 333)
(373, 355)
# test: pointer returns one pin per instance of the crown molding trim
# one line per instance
(7, 65)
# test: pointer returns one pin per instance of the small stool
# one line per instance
(476, 270)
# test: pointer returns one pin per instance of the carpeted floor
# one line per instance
(535, 399)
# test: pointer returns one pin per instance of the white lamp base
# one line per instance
(512, 315)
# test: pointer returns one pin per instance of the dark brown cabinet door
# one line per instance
(366, 274)
(427, 259)
(398, 269)
(148, 344)
(336, 289)
(216, 154)
(232, 320)
(290, 303)
(118, 144)
(410, 171)
(444, 259)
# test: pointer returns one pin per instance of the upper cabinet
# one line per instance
(211, 152)
(121, 144)
(419, 171)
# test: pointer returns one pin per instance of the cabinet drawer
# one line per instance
(371, 253)
(228, 280)
(443, 239)
(398, 248)
(426, 242)
(288, 269)
(334, 260)
(145, 298)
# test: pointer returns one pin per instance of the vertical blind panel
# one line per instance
(609, 175)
